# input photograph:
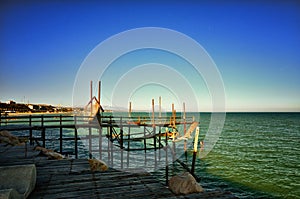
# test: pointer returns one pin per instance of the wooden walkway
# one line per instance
(72, 178)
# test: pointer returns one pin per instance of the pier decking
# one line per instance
(72, 178)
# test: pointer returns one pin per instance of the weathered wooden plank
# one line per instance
(71, 178)
(129, 188)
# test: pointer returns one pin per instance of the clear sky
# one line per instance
(255, 45)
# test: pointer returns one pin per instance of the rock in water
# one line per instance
(184, 183)
(97, 165)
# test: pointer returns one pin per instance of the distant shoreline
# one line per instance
(70, 112)
(35, 113)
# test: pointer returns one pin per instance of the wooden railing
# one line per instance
(114, 128)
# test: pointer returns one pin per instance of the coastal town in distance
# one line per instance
(10, 107)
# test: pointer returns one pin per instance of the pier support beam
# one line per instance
(91, 93)
(195, 151)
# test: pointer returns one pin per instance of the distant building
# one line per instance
(10, 102)
(33, 107)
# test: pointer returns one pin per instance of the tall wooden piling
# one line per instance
(173, 123)
(167, 166)
(91, 96)
(90, 142)
(76, 143)
(153, 122)
(121, 141)
(99, 93)
(155, 147)
(100, 142)
(60, 134)
(145, 142)
(184, 130)
(128, 146)
(159, 101)
(43, 131)
(30, 131)
(129, 110)
(195, 150)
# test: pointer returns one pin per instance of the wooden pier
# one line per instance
(72, 178)
(122, 142)
(116, 130)
(115, 139)
(111, 139)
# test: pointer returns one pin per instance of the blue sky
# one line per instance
(254, 45)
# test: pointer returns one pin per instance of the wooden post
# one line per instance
(167, 167)
(91, 87)
(75, 120)
(111, 141)
(184, 130)
(174, 131)
(159, 107)
(42, 120)
(121, 141)
(154, 138)
(30, 131)
(99, 93)
(172, 111)
(196, 139)
(145, 142)
(44, 136)
(128, 146)
(100, 142)
(60, 134)
(108, 142)
(173, 116)
(129, 111)
(153, 122)
(90, 142)
(174, 119)
(195, 150)
(159, 143)
(43, 131)
(76, 143)
(155, 147)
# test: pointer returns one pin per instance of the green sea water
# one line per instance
(257, 154)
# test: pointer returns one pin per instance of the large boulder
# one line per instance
(184, 183)
(20, 179)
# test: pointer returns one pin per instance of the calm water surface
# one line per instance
(256, 156)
